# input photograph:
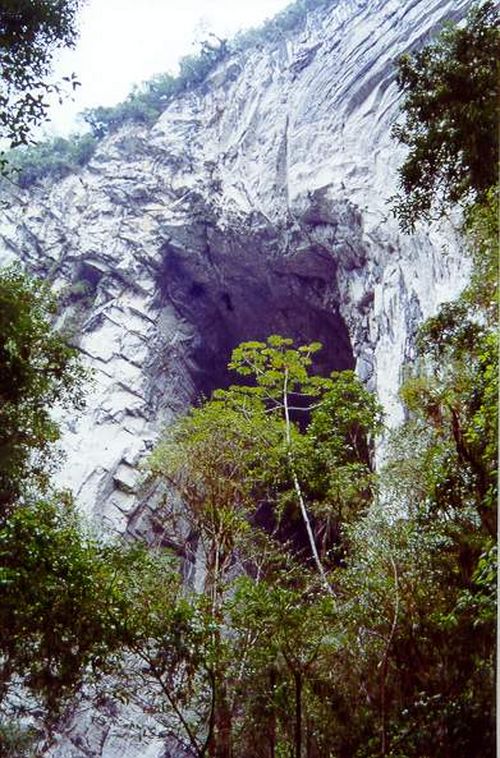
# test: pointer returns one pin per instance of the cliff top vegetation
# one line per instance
(59, 157)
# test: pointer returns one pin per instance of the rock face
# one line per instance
(257, 204)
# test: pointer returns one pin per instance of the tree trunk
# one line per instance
(298, 713)
(272, 726)
(223, 747)
(298, 490)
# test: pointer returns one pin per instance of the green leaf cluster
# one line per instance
(146, 102)
(37, 371)
(450, 105)
(65, 596)
(30, 33)
(62, 601)
(246, 465)
(56, 159)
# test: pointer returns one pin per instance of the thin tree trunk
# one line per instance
(298, 713)
(384, 664)
(272, 736)
(223, 748)
(298, 490)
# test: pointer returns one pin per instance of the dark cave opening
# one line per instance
(251, 306)
(249, 300)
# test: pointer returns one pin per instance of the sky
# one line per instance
(125, 42)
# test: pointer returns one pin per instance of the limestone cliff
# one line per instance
(256, 204)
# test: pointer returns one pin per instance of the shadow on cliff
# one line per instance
(234, 289)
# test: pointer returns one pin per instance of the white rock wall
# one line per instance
(284, 143)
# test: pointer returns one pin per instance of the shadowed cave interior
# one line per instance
(250, 303)
(252, 307)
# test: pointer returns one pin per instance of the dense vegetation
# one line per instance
(451, 117)
(56, 158)
(333, 611)
(37, 370)
(63, 592)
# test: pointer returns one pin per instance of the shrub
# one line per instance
(56, 158)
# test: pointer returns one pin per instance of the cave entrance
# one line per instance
(251, 306)
(249, 297)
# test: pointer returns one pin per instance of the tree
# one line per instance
(443, 466)
(249, 475)
(416, 668)
(450, 105)
(30, 33)
(212, 458)
(64, 602)
(37, 371)
(65, 608)
(338, 466)
(442, 462)
(63, 594)
(333, 453)
(283, 631)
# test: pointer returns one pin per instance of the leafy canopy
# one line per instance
(260, 493)
(56, 158)
(450, 105)
(37, 371)
(63, 601)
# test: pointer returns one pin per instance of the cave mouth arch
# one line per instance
(251, 305)
(245, 291)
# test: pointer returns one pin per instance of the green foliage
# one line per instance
(481, 233)
(454, 404)
(37, 371)
(340, 436)
(70, 605)
(283, 22)
(55, 159)
(146, 103)
(30, 33)
(451, 117)
(289, 441)
(416, 641)
(17, 741)
(194, 69)
(63, 603)
(263, 656)
(284, 672)
(178, 654)
(442, 462)
(245, 466)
